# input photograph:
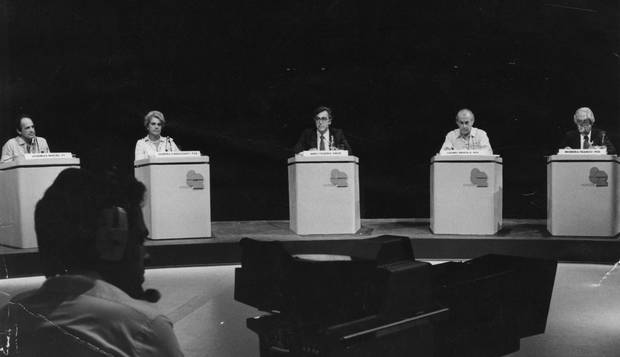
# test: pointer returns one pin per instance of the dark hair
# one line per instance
(67, 218)
(322, 109)
(65, 223)
(18, 123)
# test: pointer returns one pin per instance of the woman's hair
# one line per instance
(154, 114)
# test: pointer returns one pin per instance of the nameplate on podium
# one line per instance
(599, 151)
(49, 155)
(461, 152)
(311, 153)
(194, 153)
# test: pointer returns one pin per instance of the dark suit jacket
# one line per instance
(307, 140)
(572, 140)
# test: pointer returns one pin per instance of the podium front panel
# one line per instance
(22, 184)
(178, 200)
(617, 195)
(466, 194)
(582, 195)
(324, 195)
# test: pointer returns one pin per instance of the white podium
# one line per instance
(178, 198)
(583, 195)
(617, 194)
(466, 194)
(324, 194)
(22, 184)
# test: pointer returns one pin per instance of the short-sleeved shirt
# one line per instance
(76, 315)
(145, 147)
(477, 140)
(17, 146)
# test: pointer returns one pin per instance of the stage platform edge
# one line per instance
(520, 237)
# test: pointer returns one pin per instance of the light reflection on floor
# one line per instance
(584, 318)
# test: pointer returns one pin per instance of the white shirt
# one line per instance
(145, 147)
(17, 146)
(477, 140)
(73, 314)
(326, 139)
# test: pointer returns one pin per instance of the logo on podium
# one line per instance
(195, 180)
(479, 178)
(598, 177)
(338, 178)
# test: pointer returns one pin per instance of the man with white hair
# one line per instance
(586, 137)
(466, 137)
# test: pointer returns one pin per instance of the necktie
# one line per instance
(586, 142)
(322, 144)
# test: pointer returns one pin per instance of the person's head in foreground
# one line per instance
(93, 225)
(90, 234)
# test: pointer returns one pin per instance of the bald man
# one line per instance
(466, 137)
(586, 137)
(26, 141)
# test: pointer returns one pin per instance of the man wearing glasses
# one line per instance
(466, 137)
(586, 137)
(323, 137)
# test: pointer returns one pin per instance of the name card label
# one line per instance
(178, 154)
(583, 151)
(461, 152)
(310, 153)
(49, 155)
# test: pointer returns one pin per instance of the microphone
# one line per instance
(603, 137)
(150, 295)
(332, 146)
(36, 143)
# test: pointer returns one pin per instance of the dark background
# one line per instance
(238, 80)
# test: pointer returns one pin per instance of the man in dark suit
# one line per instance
(586, 137)
(322, 137)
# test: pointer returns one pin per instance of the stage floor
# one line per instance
(521, 237)
(583, 315)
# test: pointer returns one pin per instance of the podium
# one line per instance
(466, 194)
(583, 195)
(324, 194)
(22, 184)
(177, 203)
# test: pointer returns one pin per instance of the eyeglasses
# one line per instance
(586, 122)
(321, 118)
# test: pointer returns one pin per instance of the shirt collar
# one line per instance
(472, 133)
(69, 282)
(20, 140)
(161, 138)
(326, 134)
